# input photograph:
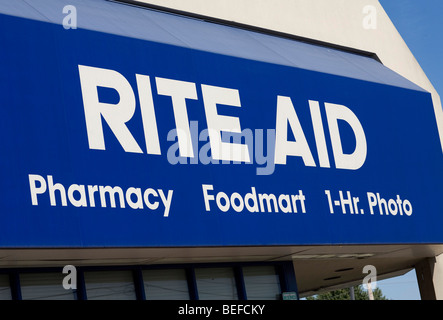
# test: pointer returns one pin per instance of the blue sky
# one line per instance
(420, 24)
(401, 288)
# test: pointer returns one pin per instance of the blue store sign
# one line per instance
(116, 141)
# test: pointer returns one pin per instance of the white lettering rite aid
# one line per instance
(117, 115)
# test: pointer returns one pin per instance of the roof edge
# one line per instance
(248, 27)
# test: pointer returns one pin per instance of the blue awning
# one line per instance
(91, 157)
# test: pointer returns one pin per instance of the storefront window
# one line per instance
(262, 283)
(216, 284)
(5, 290)
(165, 284)
(44, 286)
(110, 285)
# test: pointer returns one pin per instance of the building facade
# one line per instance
(231, 150)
